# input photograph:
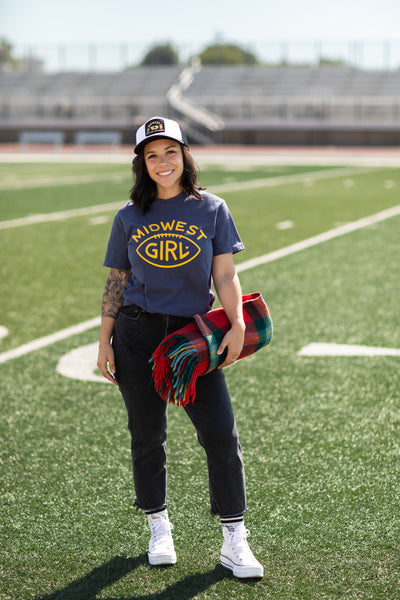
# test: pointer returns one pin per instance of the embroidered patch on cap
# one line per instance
(155, 126)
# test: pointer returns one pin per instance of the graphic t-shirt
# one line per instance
(169, 251)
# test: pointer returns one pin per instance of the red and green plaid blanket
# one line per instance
(192, 351)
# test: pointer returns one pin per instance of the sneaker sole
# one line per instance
(242, 572)
(161, 559)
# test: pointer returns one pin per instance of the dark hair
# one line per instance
(144, 190)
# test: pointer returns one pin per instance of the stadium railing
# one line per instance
(56, 138)
(113, 138)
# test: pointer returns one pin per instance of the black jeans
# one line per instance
(136, 335)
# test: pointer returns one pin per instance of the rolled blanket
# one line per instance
(192, 351)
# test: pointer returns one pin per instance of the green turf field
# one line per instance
(320, 434)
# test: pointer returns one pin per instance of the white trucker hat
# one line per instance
(158, 127)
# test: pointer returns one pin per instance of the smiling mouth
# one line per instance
(164, 173)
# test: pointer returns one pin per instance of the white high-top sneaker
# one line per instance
(161, 546)
(236, 554)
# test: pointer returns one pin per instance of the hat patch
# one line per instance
(155, 126)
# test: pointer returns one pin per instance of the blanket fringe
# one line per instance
(175, 370)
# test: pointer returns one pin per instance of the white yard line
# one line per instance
(222, 188)
(65, 180)
(47, 340)
(328, 349)
(320, 238)
(283, 179)
(60, 215)
(249, 264)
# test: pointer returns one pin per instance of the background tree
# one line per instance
(163, 54)
(7, 60)
(332, 62)
(227, 54)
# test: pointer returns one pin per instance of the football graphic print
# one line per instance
(168, 250)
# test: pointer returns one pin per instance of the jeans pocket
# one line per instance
(131, 312)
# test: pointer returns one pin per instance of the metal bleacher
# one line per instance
(254, 104)
(302, 105)
(82, 101)
(291, 93)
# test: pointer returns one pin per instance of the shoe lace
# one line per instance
(238, 542)
(160, 529)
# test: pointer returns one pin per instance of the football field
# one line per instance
(318, 411)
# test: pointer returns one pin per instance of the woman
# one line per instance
(166, 246)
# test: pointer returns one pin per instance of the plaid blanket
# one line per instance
(192, 351)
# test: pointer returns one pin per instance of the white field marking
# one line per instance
(3, 332)
(61, 215)
(306, 178)
(49, 339)
(284, 225)
(320, 238)
(65, 180)
(81, 364)
(224, 187)
(266, 258)
(348, 183)
(99, 220)
(325, 349)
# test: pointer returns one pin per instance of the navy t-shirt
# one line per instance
(169, 251)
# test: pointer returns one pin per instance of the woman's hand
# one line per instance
(233, 342)
(106, 362)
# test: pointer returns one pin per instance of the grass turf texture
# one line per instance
(320, 435)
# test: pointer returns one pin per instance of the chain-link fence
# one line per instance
(384, 54)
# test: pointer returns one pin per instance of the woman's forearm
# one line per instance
(106, 330)
(228, 288)
(112, 302)
(229, 293)
(113, 295)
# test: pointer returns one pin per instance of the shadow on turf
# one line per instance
(94, 582)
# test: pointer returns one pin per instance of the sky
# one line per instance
(248, 22)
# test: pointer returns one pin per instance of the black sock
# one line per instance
(231, 522)
(158, 510)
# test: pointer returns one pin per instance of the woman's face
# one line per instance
(164, 162)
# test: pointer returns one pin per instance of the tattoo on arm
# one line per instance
(113, 298)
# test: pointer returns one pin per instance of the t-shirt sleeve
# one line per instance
(117, 249)
(226, 238)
